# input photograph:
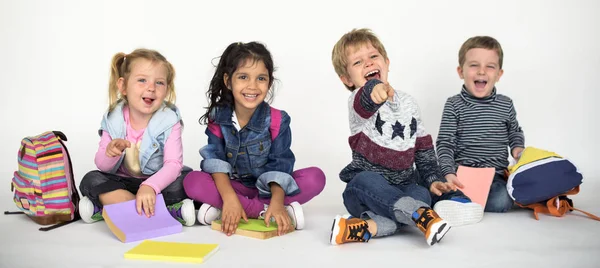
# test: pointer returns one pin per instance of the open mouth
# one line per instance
(148, 101)
(372, 75)
(480, 84)
(250, 96)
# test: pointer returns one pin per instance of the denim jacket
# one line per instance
(153, 139)
(249, 155)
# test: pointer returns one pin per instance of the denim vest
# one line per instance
(154, 137)
(249, 153)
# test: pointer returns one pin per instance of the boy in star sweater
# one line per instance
(384, 190)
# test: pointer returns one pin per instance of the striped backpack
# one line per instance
(542, 181)
(44, 187)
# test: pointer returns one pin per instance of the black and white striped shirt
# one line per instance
(476, 132)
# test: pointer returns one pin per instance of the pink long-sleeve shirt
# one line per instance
(172, 158)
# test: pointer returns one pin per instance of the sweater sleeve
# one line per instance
(516, 138)
(446, 140)
(363, 105)
(425, 159)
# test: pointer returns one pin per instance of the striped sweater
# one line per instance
(477, 132)
(389, 138)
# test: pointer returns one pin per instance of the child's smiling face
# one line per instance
(146, 87)
(480, 71)
(249, 85)
(364, 62)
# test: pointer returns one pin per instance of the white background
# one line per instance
(54, 70)
(55, 56)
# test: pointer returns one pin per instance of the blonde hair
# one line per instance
(121, 67)
(354, 38)
(480, 42)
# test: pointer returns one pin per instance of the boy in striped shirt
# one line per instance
(478, 125)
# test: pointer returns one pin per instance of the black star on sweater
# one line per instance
(378, 124)
(398, 130)
(413, 127)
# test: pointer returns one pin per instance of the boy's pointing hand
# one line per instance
(381, 93)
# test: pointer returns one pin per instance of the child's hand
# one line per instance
(282, 219)
(145, 199)
(382, 92)
(454, 182)
(231, 214)
(438, 188)
(516, 153)
(116, 147)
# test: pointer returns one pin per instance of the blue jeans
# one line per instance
(498, 199)
(369, 196)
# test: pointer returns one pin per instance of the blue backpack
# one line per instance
(542, 181)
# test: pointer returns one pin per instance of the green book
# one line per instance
(254, 225)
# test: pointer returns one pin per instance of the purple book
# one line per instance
(128, 226)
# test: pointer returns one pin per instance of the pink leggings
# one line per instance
(200, 186)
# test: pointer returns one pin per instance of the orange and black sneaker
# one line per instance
(431, 225)
(346, 230)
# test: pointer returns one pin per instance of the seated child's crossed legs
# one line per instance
(99, 188)
(201, 187)
(370, 196)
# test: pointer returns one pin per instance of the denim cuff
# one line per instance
(385, 226)
(284, 180)
(215, 166)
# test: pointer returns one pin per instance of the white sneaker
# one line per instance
(295, 212)
(207, 214)
(184, 212)
(88, 212)
(458, 213)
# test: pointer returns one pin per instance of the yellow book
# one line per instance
(172, 251)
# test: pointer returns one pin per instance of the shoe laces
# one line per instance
(430, 213)
(357, 231)
(261, 215)
(426, 216)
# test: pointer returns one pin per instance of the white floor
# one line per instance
(507, 240)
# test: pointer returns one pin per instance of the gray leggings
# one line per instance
(95, 183)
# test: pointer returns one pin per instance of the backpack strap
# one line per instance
(61, 136)
(592, 216)
(275, 123)
(558, 206)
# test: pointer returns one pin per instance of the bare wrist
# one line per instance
(229, 196)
